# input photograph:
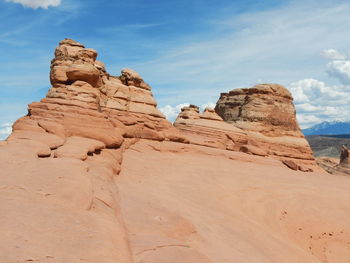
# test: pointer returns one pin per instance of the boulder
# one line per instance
(131, 78)
(83, 72)
(251, 149)
(290, 164)
(266, 113)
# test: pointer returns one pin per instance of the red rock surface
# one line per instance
(227, 206)
(266, 113)
(95, 173)
(208, 129)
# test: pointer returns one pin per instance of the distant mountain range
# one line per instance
(328, 128)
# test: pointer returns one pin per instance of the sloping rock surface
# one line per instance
(58, 196)
(203, 204)
(95, 173)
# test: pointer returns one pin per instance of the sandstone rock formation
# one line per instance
(259, 121)
(336, 166)
(344, 161)
(208, 129)
(59, 164)
(267, 114)
(95, 173)
(344, 156)
(86, 101)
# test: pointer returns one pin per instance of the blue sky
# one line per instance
(188, 51)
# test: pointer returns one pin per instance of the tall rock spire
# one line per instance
(86, 101)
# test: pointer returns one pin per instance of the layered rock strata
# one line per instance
(266, 113)
(66, 153)
(344, 156)
(208, 129)
(87, 101)
(60, 196)
(344, 162)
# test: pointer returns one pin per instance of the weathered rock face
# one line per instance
(344, 162)
(344, 156)
(259, 121)
(208, 129)
(267, 114)
(95, 173)
(60, 162)
(336, 166)
(77, 76)
(86, 101)
(267, 106)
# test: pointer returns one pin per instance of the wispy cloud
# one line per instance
(45, 4)
(5, 130)
(332, 54)
(127, 28)
(317, 100)
(340, 69)
(270, 46)
(280, 45)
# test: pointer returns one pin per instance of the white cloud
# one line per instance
(171, 112)
(5, 130)
(307, 120)
(37, 3)
(318, 93)
(207, 105)
(316, 101)
(332, 54)
(340, 69)
(278, 45)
